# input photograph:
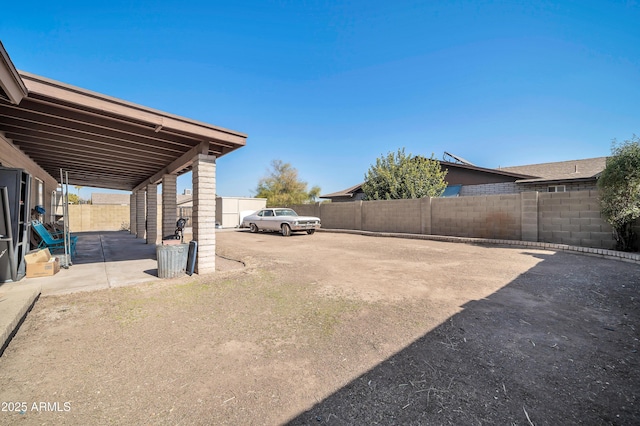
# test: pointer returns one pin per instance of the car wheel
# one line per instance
(286, 230)
(310, 231)
(253, 228)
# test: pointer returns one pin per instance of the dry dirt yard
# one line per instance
(340, 329)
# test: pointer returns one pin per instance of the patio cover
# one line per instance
(99, 140)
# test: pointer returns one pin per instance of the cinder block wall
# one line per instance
(340, 215)
(87, 217)
(573, 218)
(492, 216)
(570, 187)
(392, 216)
(308, 209)
(490, 189)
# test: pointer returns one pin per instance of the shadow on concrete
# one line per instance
(558, 345)
(111, 246)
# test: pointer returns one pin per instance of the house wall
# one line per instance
(571, 218)
(490, 189)
(570, 186)
(461, 176)
(513, 188)
(11, 156)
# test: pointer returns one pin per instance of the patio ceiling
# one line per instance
(103, 141)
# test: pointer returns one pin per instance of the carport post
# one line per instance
(169, 204)
(204, 212)
(140, 214)
(152, 213)
(132, 213)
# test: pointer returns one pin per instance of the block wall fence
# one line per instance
(89, 217)
(571, 218)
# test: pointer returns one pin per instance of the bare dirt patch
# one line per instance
(340, 329)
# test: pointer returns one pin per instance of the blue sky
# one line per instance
(329, 86)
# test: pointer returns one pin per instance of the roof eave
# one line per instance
(40, 87)
(486, 170)
(10, 80)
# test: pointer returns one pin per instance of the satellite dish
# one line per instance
(457, 159)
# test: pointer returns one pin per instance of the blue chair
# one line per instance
(48, 241)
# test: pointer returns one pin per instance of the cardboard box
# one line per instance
(41, 264)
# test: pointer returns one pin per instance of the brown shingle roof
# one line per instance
(588, 168)
(345, 192)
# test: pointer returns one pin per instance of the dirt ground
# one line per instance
(340, 329)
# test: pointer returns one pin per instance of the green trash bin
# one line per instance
(172, 260)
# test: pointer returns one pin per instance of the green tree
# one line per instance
(619, 186)
(80, 200)
(281, 187)
(398, 176)
(74, 199)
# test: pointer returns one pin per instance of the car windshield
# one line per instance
(285, 212)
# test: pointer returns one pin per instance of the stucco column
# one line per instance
(152, 213)
(169, 204)
(140, 214)
(204, 212)
(132, 213)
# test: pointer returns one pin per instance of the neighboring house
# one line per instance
(561, 176)
(458, 176)
(467, 179)
(354, 193)
(574, 175)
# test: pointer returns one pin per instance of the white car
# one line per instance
(281, 220)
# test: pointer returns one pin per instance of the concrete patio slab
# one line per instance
(16, 299)
(104, 260)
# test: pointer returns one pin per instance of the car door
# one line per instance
(257, 218)
(269, 220)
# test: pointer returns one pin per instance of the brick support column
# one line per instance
(204, 212)
(152, 214)
(132, 213)
(169, 204)
(529, 219)
(141, 214)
